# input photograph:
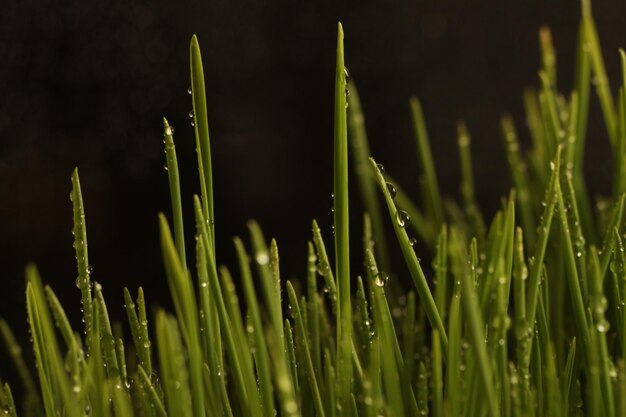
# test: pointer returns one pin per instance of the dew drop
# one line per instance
(392, 190)
(412, 241)
(346, 73)
(603, 326)
(403, 219)
(381, 278)
(262, 258)
(189, 90)
(191, 114)
(381, 168)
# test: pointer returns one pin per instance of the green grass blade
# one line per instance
(573, 281)
(367, 183)
(437, 376)
(185, 302)
(82, 258)
(308, 362)
(425, 229)
(476, 325)
(424, 154)
(342, 245)
(262, 354)
(155, 400)
(600, 79)
(417, 274)
(520, 180)
(174, 371)
(31, 396)
(468, 192)
(324, 268)
(269, 282)
(201, 127)
(598, 306)
(534, 277)
(174, 182)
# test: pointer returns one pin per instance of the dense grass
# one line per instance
(522, 315)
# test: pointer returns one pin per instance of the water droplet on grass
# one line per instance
(381, 278)
(403, 219)
(262, 258)
(392, 190)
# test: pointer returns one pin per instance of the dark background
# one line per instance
(86, 83)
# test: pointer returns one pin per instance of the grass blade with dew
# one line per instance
(324, 266)
(475, 325)
(580, 316)
(342, 245)
(425, 229)
(201, 127)
(598, 306)
(245, 381)
(308, 362)
(79, 231)
(50, 365)
(174, 182)
(140, 337)
(534, 277)
(440, 265)
(433, 196)
(270, 283)
(174, 371)
(313, 309)
(400, 221)
(261, 353)
(367, 183)
(389, 349)
(186, 308)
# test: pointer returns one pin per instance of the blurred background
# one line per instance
(87, 83)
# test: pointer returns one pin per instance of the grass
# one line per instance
(522, 315)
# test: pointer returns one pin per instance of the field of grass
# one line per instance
(519, 315)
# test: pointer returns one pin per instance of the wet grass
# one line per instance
(519, 315)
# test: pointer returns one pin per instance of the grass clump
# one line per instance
(522, 315)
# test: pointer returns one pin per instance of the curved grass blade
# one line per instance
(201, 127)
(82, 259)
(417, 274)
